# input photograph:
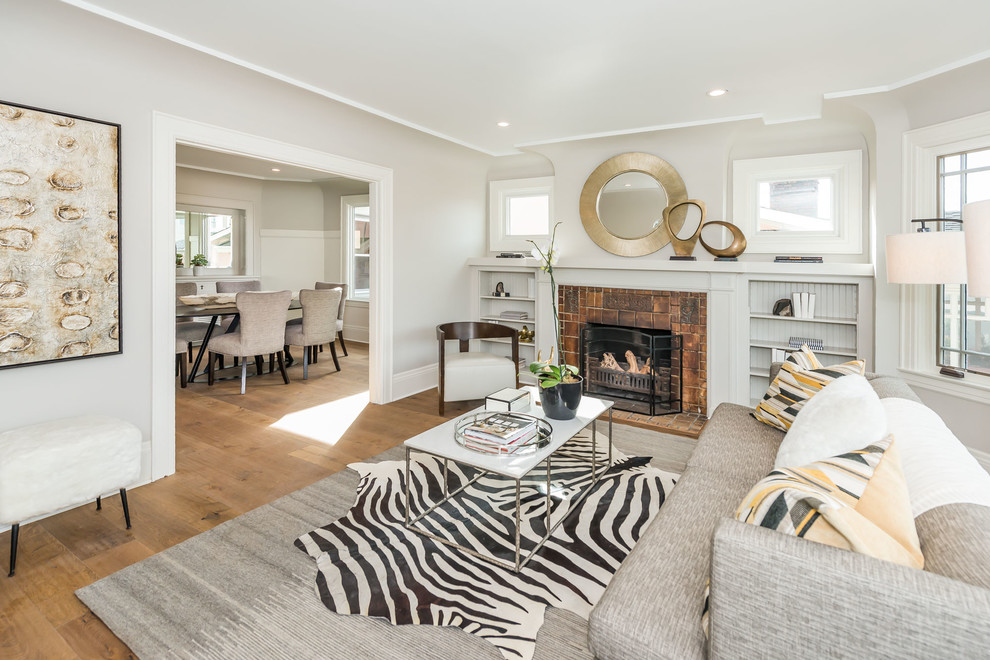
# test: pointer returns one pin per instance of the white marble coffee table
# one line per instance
(439, 442)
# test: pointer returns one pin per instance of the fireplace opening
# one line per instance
(638, 368)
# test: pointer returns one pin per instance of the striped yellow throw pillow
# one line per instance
(856, 501)
(801, 376)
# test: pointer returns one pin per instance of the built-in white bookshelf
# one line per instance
(837, 322)
(519, 295)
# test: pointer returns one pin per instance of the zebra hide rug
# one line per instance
(368, 563)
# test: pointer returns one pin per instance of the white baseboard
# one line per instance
(414, 381)
(356, 333)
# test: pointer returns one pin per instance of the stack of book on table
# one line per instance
(500, 433)
(515, 315)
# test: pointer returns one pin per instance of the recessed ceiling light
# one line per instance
(717, 92)
(275, 169)
(503, 124)
(628, 185)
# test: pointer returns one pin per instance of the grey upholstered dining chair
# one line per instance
(340, 310)
(237, 286)
(188, 330)
(319, 324)
(261, 332)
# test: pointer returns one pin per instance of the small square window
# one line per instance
(519, 210)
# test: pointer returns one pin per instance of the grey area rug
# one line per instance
(243, 590)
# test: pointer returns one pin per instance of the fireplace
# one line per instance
(638, 368)
(682, 313)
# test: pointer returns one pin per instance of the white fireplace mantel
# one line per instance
(727, 284)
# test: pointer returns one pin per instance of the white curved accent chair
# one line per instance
(467, 374)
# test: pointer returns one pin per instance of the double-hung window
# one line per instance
(964, 322)
(356, 212)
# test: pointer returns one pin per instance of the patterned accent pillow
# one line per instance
(796, 383)
(856, 501)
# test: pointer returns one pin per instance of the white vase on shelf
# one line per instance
(183, 272)
(199, 271)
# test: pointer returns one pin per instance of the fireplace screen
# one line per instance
(637, 368)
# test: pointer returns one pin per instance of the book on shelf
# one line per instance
(803, 305)
(783, 259)
(511, 314)
(502, 428)
(813, 344)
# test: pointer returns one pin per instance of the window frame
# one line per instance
(499, 194)
(921, 149)
(347, 204)
(941, 350)
(845, 168)
(250, 244)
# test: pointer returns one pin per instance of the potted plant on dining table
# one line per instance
(559, 383)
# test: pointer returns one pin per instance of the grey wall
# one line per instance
(64, 59)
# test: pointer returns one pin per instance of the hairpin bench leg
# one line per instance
(13, 547)
(127, 512)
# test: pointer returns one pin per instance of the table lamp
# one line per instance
(976, 215)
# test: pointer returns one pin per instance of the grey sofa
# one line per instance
(778, 596)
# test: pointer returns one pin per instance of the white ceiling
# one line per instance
(563, 69)
(256, 168)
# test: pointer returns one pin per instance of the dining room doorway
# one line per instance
(291, 250)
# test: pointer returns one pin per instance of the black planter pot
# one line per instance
(561, 401)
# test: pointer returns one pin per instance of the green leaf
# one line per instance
(547, 383)
(571, 368)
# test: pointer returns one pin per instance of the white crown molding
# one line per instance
(644, 129)
(144, 27)
(910, 80)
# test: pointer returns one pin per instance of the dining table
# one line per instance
(214, 311)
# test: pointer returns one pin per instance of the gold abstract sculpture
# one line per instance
(734, 249)
(683, 247)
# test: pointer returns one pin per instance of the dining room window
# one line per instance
(217, 233)
(356, 213)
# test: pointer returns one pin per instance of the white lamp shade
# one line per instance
(933, 257)
(976, 226)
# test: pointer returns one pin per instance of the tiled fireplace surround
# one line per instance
(682, 312)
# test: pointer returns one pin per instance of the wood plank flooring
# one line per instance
(229, 459)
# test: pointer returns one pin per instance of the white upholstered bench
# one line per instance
(56, 465)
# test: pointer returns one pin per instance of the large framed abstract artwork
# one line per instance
(59, 236)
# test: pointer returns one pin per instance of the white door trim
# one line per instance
(169, 130)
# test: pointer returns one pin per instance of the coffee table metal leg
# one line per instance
(548, 493)
(518, 526)
(407, 486)
(610, 437)
(594, 448)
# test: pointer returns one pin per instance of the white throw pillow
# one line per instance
(845, 415)
(937, 467)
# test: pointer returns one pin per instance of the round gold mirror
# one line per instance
(623, 200)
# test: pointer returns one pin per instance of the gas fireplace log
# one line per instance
(633, 363)
(609, 362)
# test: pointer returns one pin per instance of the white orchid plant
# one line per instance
(548, 373)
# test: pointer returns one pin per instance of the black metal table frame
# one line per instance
(214, 315)
(520, 561)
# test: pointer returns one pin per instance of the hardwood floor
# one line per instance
(233, 453)
(229, 459)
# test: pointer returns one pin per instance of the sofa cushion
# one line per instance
(652, 607)
(856, 501)
(937, 467)
(794, 385)
(845, 415)
(956, 542)
(733, 442)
